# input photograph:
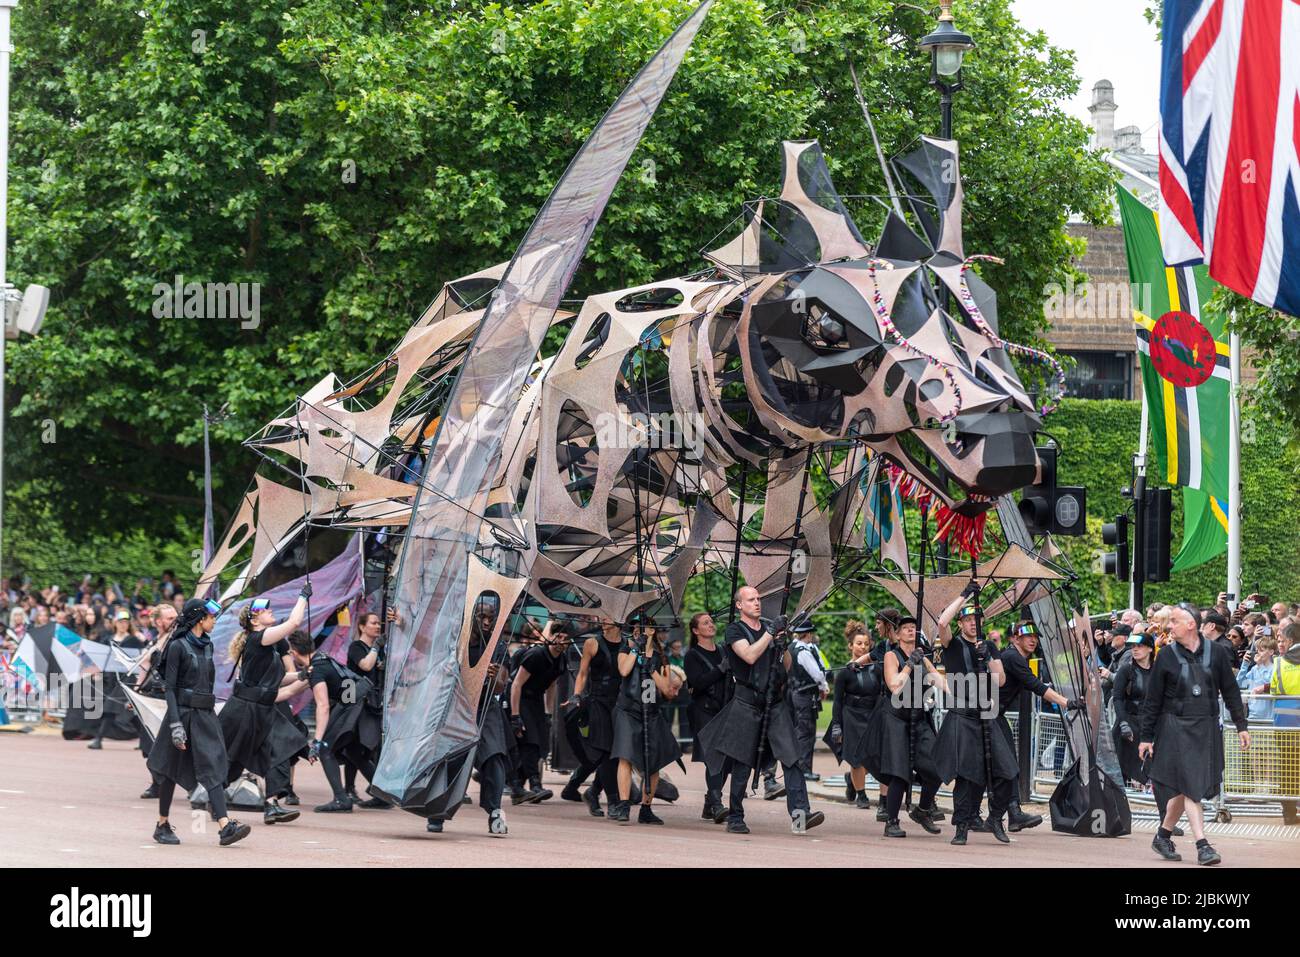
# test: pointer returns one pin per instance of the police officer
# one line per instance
(968, 751)
(806, 690)
(1180, 728)
(708, 680)
(1020, 677)
(756, 725)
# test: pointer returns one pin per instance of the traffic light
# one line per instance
(1116, 562)
(1156, 534)
(1047, 508)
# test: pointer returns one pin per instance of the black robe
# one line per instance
(495, 737)
(960, 749)
(543, 670)
(1128, 694)
(1184, 724)
(189, 673)
(258, 735)
(632, 717)
(900, 735)
(708, 680)
(856, 694)
(736, 730)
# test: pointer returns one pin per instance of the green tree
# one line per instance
(350, 158)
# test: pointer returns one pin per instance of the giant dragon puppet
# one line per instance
(546, 476)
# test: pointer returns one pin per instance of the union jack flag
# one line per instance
(1230, 144)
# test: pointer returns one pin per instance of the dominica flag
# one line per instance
(1186, 380)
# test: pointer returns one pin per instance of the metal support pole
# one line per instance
(6, 8)
(1234, 474)
(1024, 747)
(740, 528)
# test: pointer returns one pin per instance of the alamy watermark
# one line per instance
(209, 300)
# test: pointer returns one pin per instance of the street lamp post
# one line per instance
(947, 46)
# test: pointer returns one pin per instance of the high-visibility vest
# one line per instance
(1286, 680)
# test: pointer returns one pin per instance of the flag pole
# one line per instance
(1234, 471)
(1140, 466)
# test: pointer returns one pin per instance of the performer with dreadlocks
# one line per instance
(539, 667)
(595, 691)
(858, 687)
(492, 754)
(194, 751)
(1181, 717)
(967, 749)
(755, 726)
(641, 729)
(708, 679)
(258, 736)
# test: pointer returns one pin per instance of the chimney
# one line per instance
(1129, 140)
(1103, 115)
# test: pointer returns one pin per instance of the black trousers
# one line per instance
(277, 781)
(967, 795)
(713, 787)
(167, 789)
(530, 762)
(898, 790)
(491, 782)
(796, 790)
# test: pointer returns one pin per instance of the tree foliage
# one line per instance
(349, 158)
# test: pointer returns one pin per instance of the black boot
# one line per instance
(862, 801)
(647, 816)
(571, 791)
(379, 804)
(1018, 820)
(720, 814)
(1205, 854)
(959, 838)
(772, 789)
(892, 829)
(922, 817)
(340, 805)
(433, 825)
(882, 814)
(620, 812)
(519, 796)
(291, 799)
(592, 798)
(150, 793)
(538, 792)
(850, 792)
(997, 830)
(96, 745)
(935, 814)
(164, 833)
(274, 814)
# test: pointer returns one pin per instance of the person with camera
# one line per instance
(595, 693)
(1180, 728)
(539, 667)
(755, 726)
(708, 679)
(858, 687)
(641, 729)
(193, 749)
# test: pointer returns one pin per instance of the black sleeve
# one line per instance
(318, 673)
(356, 651)
(1119, 690)
(837, 705)
(1155, 701)
(735, 632)
(1221, 661)
(171, 675)
(1018, 666)
(701, 675)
